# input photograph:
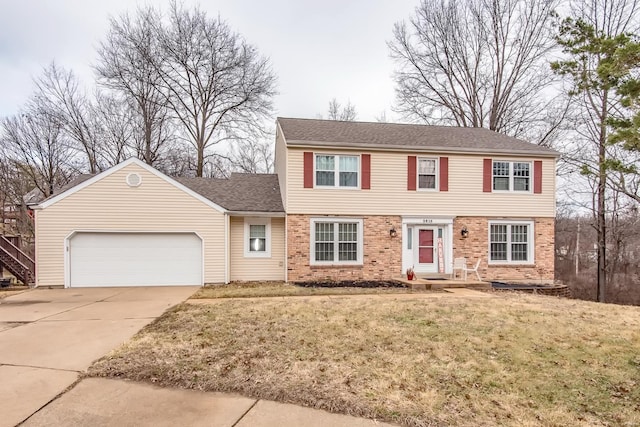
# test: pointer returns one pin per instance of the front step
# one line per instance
(460, 284)
(442, 283)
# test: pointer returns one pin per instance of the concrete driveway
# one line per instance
(48, 336)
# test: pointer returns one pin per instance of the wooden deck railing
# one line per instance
(16, 253)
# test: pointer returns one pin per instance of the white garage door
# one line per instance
(135, 259)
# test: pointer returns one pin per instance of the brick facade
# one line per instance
(477, 243)
(382, 254)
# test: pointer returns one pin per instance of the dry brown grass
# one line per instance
(280, 289)
(514, 360)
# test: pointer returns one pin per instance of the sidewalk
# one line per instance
(105, 402)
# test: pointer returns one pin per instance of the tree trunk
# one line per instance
(200, 163)
(601, 210)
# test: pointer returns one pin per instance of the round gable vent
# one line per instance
(134, 180)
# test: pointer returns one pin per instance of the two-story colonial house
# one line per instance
(370, 200)
(348, 201)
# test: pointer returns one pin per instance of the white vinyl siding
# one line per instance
(280, 165)
(389, 194)
(110, 204)
(243, 268)
(511, 242)
(336, 241)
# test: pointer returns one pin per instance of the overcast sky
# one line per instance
(318, 49)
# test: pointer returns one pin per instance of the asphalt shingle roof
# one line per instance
(242, 192)
(396, 136)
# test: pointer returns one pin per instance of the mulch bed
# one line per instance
(352, 284)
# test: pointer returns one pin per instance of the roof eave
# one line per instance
(279, 214)
(433, 149)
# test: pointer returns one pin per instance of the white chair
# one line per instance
(474, 269)
(459, 264)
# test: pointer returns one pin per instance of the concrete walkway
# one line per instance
(100, 402)
(48, 336)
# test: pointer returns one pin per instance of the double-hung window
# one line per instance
(336, 241)
(337, 171)
(511, 176)
(427, 174)
(257, 237)
(511, 242)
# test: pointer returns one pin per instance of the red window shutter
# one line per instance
(411, 173)
(537, 176)
(308, 169)
(444, 174)
(486, 175)
(366, 172)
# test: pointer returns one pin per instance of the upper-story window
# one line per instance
(337, 171)
(427, 174)
(511, 176)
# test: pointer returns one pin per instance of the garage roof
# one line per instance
(242, 192)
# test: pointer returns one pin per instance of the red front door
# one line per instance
(426, 247)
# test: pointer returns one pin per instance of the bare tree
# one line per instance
(478, 63)
(116, 124)
(124, 66)
(251, 156)
(58, 91)
(14, 185)
(34, 143)
(217, 84)
(338, 112)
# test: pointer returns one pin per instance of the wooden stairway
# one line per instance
(17, 262)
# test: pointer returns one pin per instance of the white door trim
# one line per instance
(414, 222)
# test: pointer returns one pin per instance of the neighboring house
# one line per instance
(370, 200)
(132, 225)
(349, 201)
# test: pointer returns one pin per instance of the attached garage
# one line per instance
(131, 225)
(134, 259)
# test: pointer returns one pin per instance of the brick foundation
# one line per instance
(477, 243)
(382, 254)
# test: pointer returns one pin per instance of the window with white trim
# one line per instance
(511, 176)
(427, 174)
(336, 241)
(257, 237)
(511, 242)
(337, 171)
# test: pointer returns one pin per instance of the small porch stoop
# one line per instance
(439, 283)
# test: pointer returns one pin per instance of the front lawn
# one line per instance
(280, 289)
(516, 360)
